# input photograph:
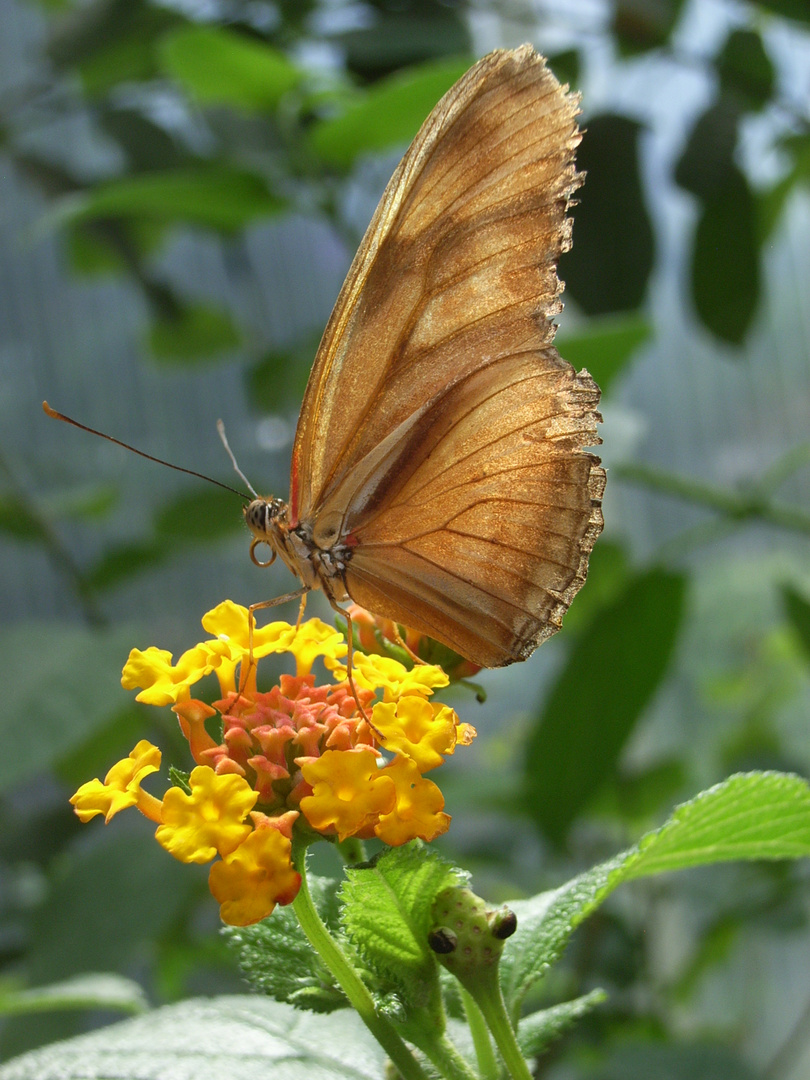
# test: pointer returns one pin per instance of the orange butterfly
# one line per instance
(438, 471)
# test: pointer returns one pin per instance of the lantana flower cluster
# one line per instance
(300, 757)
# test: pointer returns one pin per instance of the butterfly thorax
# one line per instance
(317, 567)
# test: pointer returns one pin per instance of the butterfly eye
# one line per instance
(262, 514)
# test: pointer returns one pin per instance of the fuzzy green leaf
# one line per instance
(541, 1028)
(386, 914)
(277, 960)
(237, 1037)
(108, 991)
(763, 815)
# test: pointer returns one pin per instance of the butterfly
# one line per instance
(439, 473)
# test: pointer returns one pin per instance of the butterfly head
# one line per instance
(267, 519)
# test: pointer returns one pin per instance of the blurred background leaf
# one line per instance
(219, 67)
(610, 675)
(389, 114)
(611, 262)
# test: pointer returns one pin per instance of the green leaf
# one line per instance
(126, 60)
(148, 146)
(279, 379)
(387, 915)
(749, 816)
(81, 992)
(192, 335)
(613, 671)
(90, 253)
(640, 25)
(124, 561)
(235, 1037)
(18, 521)
(66, 678)
(612, 258)
(110, 42)
(388, 115)
(106, 246)
(788, 9)
(211, 195)
(566, 66)
(605, 346)
(277, 960)
(725, 260)
(608, 574)
(745, 69)
(402, 35)
(709, 152)
(539, 1029)
(202, 516)
(86, 502)
(222, 67)
(797, 609)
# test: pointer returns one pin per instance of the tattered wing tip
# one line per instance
(596, 488)
(587, 389)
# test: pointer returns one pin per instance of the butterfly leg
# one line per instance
(350, 666)
(251, 667)
(403, 644)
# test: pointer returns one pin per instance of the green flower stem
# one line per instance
(427, 1032)
(485, 1056)
(352, 850)
(487, 996)
(448, 1061)
(347, 978)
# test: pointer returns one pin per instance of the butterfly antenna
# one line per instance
(54, 415)
(230, 453)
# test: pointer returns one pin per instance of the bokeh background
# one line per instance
(182, 186)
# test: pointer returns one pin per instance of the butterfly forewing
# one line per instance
(470, 225)
(441, 435)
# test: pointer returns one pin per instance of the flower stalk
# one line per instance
(347, 978)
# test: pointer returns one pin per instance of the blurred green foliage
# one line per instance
(287, 136)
